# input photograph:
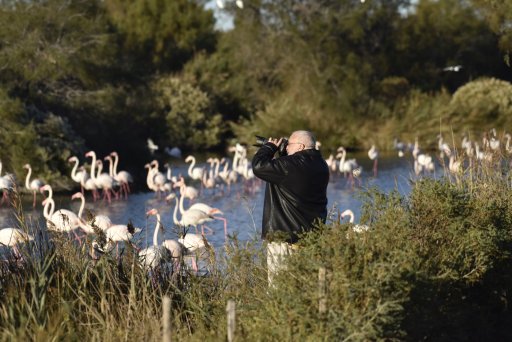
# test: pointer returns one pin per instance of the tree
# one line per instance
(162, 35)
(190, 121)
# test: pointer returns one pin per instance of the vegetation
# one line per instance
(107, 75)
(434, 265)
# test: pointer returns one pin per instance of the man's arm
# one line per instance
(265, 167)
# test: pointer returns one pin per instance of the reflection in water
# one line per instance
(242, 210)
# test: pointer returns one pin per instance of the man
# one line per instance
(295, 194)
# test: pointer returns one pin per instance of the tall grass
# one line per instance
(435, 265)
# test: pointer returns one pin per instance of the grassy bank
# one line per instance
(435, 265)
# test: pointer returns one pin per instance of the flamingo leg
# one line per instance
(375, 167)
(194, 263)
(210, 231)
(34, 204)
(225, 226)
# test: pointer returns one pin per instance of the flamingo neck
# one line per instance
(27, 179)
(73, 171)
(0, 168)
(93, 166)
(175, 214)
(116, 161)
(217, 166)
(169, 172)
(110, 168)
(82, 206)
(100, 168)
(192, 164)
(50, 191)
(148, 178)
(157, 228)
(47, 212)
(351, 215)
(182, 197)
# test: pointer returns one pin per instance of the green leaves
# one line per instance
(187, 110)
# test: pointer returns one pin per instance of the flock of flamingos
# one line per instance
(218, 176)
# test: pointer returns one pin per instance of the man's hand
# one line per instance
(276, 141)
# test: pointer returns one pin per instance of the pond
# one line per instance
(242, 209)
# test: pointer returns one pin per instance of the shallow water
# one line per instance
(242, 209)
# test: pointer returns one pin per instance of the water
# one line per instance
(242, 209)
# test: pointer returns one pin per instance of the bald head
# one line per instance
(304, 137)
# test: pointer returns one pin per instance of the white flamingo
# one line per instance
(12, 237)
(358, 228)
(229, 176)
(120, 233)
(186, 190)
(101, 221)
(347, 166)
(123, 177)
(159, 178)
(151, 257)
(47, 187)
(6, 185)
(373, 154)
(103, 181)
(194, 172)
(191, 217)
(208, 210)
(88, 184)
(77, 176)
(62, 220)
(34, 185)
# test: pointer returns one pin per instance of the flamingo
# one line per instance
(88, 184)
(11, 237)
(206, 209)
(209, 177)
(346, 166)
(62, 220)
(455, 165)
(77, 176)
(494, 142)
(159, 178)
(373, 154)
(47, 187)
(149, 178)
(186, 191)
(103, 181)
(123, 177)
(6, 185)
(33, 186)
(191, 217)
(443, 147)
(228, 176)
(358, 228)
(120, 233)
(152, 146)
(194, 172)
(422, 163)
(170, 179)
(101, 221)
(152, 256)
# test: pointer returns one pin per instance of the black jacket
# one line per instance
(296, 190)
